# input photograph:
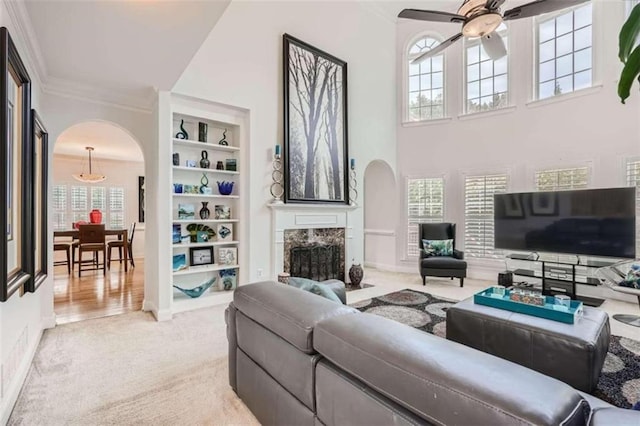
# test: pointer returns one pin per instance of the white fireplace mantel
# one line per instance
(310, 216)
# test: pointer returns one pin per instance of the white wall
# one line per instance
(22, 317)
(123, 174)
(589, 128)
(240, 64)
(380, 216)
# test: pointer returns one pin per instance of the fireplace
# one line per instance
(317, 254)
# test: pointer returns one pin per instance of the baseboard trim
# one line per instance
(14, 391)
(49, 322)
(159, 315)
(381, 266)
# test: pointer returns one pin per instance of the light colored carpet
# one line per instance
(129, 369)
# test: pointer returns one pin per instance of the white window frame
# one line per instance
(106, 209)
(596, 42)
(406, 117)
(559, 170)
(474, 42)
(407, 255)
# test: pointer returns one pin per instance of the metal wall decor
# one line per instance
(141, 199)
(353, 183)
(315, 124)
(277, 187)
(16, 186)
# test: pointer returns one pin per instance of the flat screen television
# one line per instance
(596, 222)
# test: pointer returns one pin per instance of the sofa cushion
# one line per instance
(288, 312)
(314, 287)
(442, 381)
(443, 262)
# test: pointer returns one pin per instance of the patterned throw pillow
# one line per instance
(438, 247)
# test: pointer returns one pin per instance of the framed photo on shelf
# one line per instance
(315, 124)
(228, 279)
(40, 184)
(199, 256)
(186, 211)
(225, 232)
(176, 233)
(222, 212)
(228, 255)
(17, 261)
(179, 262)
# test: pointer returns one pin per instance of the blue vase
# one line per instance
(225, 187)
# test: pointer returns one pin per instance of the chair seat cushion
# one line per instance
(443, 262)
(91, 246)
(118, 243)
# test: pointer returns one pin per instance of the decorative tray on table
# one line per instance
(530, 303)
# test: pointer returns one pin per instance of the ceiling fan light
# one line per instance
(481, 25)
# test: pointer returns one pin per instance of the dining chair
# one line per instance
(119, 244)
(66, 247)
(92, 239)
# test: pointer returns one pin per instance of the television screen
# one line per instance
(597, 222)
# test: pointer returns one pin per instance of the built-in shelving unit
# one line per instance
(198, 242)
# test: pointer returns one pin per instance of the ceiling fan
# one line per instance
(481, 18)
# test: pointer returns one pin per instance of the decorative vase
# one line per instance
(197, 291)
(205, 182)
(204, 161)
(219, 165)
(182, 134)
(204, 211)
(223, 141)
(176, 159)
(356, 273)
(225, 187)
(202, 132)
(95, 216)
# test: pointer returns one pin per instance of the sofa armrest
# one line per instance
(338, 288)
(458, 254)
(614, 416)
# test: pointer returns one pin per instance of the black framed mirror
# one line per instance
(40, 205)
(16, 187)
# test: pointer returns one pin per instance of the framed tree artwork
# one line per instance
(16, 196)
(40, 183)
(315, 124)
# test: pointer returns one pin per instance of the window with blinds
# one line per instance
(79, 204)
(633, 179)
(59, 198)
(116, 208)
(425, 204)
(478, 214)
(562, 179)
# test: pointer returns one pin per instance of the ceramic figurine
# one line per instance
(197, 291)
(182, 134)
(204, 211)
(219, 165)
(176, 159)
(205, 182)
(223, 141)
(204, 161)
(202, 132)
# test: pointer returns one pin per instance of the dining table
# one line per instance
(122, 234)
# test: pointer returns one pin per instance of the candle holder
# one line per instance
(353, 185)
(277, 187)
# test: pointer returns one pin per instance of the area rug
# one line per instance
(619, 382)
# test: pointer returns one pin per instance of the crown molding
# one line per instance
(100, 95)
(27, 37)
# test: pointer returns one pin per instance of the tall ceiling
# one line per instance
(130, 47)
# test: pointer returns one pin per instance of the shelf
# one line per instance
(205, 221)
(204, 145)
(587, 263)
(203, 269)
(205, 196)
(182, 302)
(210, 243)
(580, 279)
(201, 170)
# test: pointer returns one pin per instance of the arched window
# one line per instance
(426, 82)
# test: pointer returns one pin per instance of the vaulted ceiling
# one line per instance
(124, 48)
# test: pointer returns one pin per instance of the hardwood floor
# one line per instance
(94, 295)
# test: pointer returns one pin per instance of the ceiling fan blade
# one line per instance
(493, 44)
(430, 15)
(439, 48)
(494, 4)
(539, 7)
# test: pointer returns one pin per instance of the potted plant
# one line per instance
(629, 53)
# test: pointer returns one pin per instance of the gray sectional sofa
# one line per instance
(298, 359)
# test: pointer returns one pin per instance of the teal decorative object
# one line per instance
(314, 287)
(197, 291)
(438, 247)
(182, 134)
(229, 279)
(205, 182)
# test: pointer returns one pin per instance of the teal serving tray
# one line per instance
(550, 310)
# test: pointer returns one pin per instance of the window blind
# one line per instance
(479, 223)
(59, 198)
(116, 208)
(562, 179)
(633, 179)
(98, 198)
(79, 203)
(425, 204)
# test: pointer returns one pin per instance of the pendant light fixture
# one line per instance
(89, 177)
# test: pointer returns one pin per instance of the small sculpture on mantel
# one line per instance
(223, 141)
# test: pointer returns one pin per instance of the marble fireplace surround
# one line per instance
(309, 216)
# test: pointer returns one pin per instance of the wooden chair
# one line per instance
(66, 247)
(119, 244)
(92, 239)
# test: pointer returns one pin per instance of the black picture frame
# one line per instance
(41, 232)
(141, 199)
(196, 253)
(13, 67)
(308, 129)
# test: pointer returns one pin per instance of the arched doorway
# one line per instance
(380, 215)
(113, 287)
